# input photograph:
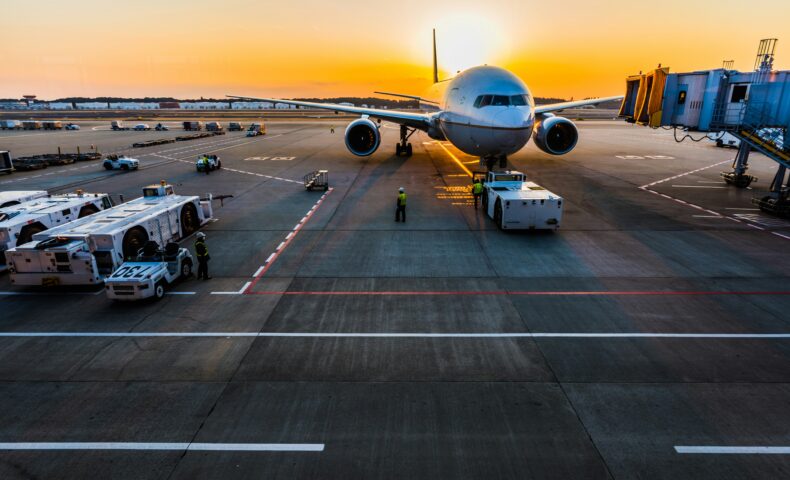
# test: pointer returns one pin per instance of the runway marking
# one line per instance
(460, 164)
(527, 293)
(695, 186)
(180, 293)
(492, 335)
(729, 450)
(162, 446)
(283, 245)
(683, 174)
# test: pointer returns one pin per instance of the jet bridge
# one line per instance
(753, 106)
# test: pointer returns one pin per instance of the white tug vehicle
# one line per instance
(515, 203)
(153, 271)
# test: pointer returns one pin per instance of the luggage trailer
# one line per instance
(86, 251)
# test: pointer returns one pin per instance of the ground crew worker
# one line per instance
(332, 129)
(400, 210)
(201, 250)
(477, 190)
(206, 168)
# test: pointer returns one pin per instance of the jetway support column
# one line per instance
(778, 199)
(738, 176)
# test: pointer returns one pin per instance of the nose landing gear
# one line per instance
(404, 147)
(490, 161)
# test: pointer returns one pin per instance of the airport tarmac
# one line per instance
(648, 338)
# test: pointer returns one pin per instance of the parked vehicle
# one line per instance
(142, 127)
(117, 125)
(193, 126)
(10, 125)
(256, 129)
(161, 128)
(153, 271)
(6, 165)
(72, 126)
(120, 162)
(15, 197)
(51, 125)
(235, 127)
(31, 125)
(211, 161)
(214, 127)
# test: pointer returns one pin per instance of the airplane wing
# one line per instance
(420, 121)
(578, 103)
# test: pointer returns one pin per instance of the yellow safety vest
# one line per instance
(477, 188)
(402, 199)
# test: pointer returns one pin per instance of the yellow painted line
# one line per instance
(455, 158)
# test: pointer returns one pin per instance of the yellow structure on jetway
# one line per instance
(644, 95)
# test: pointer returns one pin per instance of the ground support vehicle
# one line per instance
(117, 125)
(235, 127)
(161, 128)
(10, 125)
(214, 127)
(31, 125)
(515, 203)
(256, 129)
(142, 127)
(15, 197)
(51, 125)
(120, 162)
(151, 273)
(6, 165)
(88, 250)
(213, 162)
(316, 180)
(72, 126)
(193, 126)
(18, 223)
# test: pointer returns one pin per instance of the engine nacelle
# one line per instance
(362, 137)
(555, 135)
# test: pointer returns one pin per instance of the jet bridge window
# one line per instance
(738, 93)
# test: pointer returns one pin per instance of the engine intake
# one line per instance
(555, 135)
(362, 137)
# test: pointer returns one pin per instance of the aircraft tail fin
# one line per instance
(435, 65)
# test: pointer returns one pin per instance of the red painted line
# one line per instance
(535, 293)
(273, 257)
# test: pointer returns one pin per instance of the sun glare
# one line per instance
(466, 40)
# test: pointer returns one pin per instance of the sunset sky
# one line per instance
(193, 48)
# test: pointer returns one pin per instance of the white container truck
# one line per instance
(86, 251)
(10, 125)
(15, 197)
(515, 203)
(18, 223)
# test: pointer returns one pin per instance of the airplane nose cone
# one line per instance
(512, 129)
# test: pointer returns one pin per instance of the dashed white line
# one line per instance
(258, 272)
(730, 450)
(150, 446)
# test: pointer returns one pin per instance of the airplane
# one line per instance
(483, 111)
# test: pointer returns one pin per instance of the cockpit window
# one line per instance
(518, 100)
(483, 101)
(502, 100)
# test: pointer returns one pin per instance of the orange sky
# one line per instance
(193, 48)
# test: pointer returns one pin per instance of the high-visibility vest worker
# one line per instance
(402, 199)
(477, 188)
(201, 250)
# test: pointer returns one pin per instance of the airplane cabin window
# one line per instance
(500, 101)
(482, 101)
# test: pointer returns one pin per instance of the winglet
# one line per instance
(435, 66)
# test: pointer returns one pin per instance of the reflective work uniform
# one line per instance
(201, 251)
(205, 166)
(477, 190)
(400, 211)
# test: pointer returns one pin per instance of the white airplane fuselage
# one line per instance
(477, 127)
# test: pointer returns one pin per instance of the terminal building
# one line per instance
(752, 106)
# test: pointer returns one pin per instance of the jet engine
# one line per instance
(362, 137)
(555, 135)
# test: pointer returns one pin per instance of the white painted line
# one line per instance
(724, 336)
(258, 272)
(180, 293)
(298, 225)
(304, 219)
(288, 237)
(199, 447)
(225, 293)
(749, 450)
(280, 246)
(707, 216)
(270, 258)
(750, 209)
(242, 289)
(780, 235)
(755, 226)
(695, 186)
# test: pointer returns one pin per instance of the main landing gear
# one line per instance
(404, 147)
(490, 161)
